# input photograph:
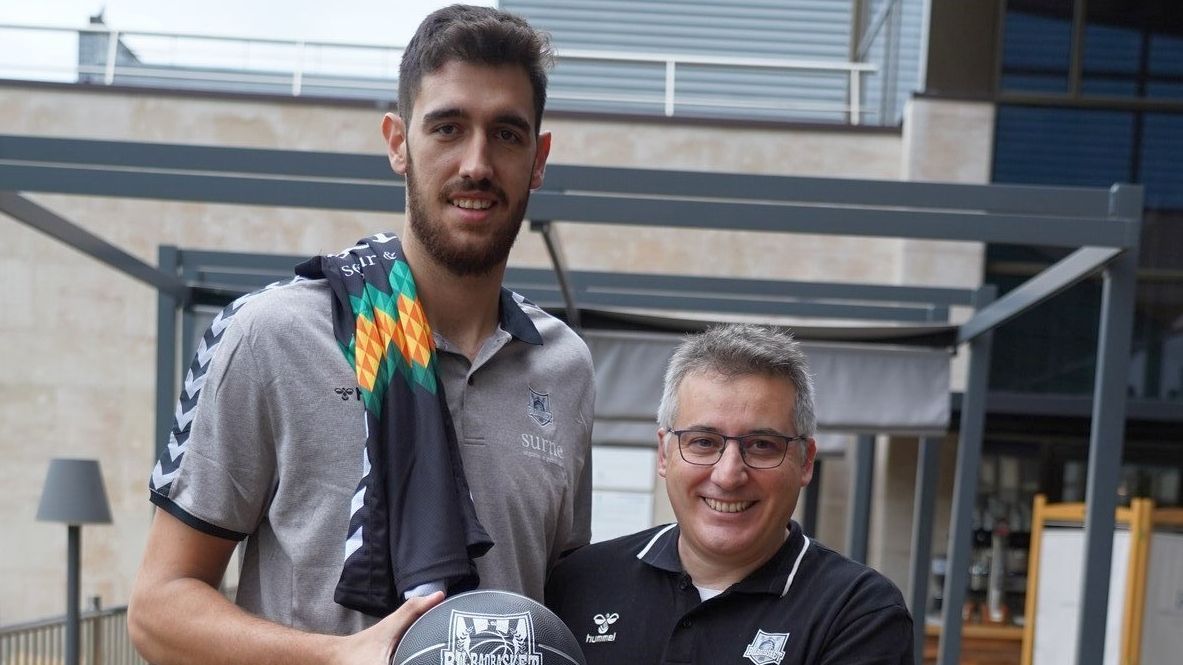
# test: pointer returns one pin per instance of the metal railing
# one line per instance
(169, 60)
(103, 637)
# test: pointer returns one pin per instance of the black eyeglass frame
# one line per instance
(740, 441)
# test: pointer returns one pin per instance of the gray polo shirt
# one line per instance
(269, 431)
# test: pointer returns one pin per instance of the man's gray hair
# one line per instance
(738, 349)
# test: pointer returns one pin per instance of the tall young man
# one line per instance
(289, 403)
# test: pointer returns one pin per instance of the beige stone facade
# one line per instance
(79, 347)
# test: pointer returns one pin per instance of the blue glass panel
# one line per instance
(1051, 146)
(1036, 45)
(1161, 167)
(1034, 83)
(1164, 90)
(1109, 87)
(1111, 49)
(1166, 55)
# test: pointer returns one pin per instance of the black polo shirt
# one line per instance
(628, 601)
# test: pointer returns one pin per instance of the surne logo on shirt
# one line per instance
(602, 622)
(767, 648)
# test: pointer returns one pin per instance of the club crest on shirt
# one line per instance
(539, 408)
(767, 648)
(474, 639)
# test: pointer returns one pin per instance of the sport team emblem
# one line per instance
(491, 639)
(767, 648)
(539, 408)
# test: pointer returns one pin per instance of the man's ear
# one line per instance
(807, 466)
(540, 155)
(394, 131)
(661, 456)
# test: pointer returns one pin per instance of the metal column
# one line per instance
(73, 586)
(813, 496)
(860, 503)
(927, 463)
(1108, 433)
(969, 457)
(168, 259)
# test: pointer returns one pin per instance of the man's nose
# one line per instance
(475, 163)
(730, 470)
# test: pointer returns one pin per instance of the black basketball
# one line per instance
(488, 628)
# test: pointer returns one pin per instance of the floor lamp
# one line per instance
(74, 495)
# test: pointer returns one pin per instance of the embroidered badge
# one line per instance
(491, 638)
(602, 622)
(539, 408)
(767, 648)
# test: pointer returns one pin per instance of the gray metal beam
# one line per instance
(927, 466)
(969, 457)
(823, 220)
(329, 194)
(559, 262)
(193, 158)
(692, 302)
(1061, 201)
(59, 228)
(1107, 437)
(388, 196)
(1054, 280)
(166, 349)
(859, 521)
(730, 286)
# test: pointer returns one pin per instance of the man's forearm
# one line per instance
(187, 622)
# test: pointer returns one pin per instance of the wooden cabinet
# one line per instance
(980, 644)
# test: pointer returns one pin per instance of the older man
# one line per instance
(734, 580)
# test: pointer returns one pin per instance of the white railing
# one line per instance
(103, 640)
(102, 56)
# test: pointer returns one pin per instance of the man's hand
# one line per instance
(375, 645)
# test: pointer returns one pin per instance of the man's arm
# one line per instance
(177, 616)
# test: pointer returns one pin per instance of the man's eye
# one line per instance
(702, 442)
(763, 445)
(508, 136)
(446, 130)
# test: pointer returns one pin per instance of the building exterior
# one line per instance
(1025, 91)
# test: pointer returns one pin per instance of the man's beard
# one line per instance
(458, 259)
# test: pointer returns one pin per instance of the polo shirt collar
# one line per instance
(775, 576)
(515, 321)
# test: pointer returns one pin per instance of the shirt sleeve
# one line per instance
(217, 472)
(879, 637)
(580, 533)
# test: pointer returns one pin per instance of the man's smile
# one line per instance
(472, 204)
(727, 506)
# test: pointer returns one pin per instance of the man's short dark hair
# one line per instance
(474, 35)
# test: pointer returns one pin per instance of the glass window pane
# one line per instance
(1036, 45)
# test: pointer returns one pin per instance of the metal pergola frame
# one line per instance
(1101, 226)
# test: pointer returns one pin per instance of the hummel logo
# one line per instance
(603, 621)
(346, 393)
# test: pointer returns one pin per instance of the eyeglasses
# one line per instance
(759, 451)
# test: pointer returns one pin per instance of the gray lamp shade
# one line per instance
(74, 493)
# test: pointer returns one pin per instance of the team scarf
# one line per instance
(412, 517)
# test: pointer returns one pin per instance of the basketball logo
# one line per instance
(488, 628)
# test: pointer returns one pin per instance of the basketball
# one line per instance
(488, 628)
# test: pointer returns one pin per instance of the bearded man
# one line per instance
(360, 426)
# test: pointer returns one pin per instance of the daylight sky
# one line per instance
(377, 22)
